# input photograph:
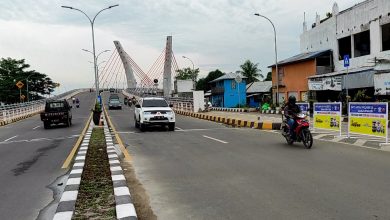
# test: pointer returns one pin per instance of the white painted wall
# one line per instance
(361, 17)
(184, 86)
(198, 100)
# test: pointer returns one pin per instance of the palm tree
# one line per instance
(251, 71)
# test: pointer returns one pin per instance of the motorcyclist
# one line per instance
(290, 111)
(77, 102)
(73, 100)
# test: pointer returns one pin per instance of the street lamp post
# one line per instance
(193, 71)
(97, 57)
(28, 94)
(276, 58)
(93, 41)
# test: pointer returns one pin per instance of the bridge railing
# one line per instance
(9, 113)
(179, 104)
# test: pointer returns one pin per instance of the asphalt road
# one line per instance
(31, 159)
(205, 170)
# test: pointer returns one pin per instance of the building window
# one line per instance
(233, 84)
(386, 37)
(362, 44)
(344, 47)
(281, 75)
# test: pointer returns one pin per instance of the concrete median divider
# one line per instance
(264, 125)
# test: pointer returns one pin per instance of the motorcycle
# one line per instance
(77, 105)
(301, 131)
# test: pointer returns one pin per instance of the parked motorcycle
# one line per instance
(302, 131)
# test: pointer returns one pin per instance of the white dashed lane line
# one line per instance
(215, 139)
(36, 127)
(10, 138)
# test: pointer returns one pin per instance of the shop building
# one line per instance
(361, 32)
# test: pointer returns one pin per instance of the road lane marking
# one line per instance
(215, 139)
(178, 128)
(68, 160)
(36, 127)
(360, 142)
(10, 138)
(117, 137)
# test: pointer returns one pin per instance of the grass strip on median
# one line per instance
(95, 198)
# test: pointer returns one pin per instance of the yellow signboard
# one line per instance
(369, 126)
(331, 122)
(368, 118)
(20, 84)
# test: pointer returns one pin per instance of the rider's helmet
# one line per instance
(292, 100)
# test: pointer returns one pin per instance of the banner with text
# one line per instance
(368, 118)
(304, 106)
(327, 115)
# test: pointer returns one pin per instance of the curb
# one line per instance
(3, 123)
(228, 109)
(66, 206)
(265, 125)
(123, 203)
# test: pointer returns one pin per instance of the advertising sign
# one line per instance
(326, 83)
(382, 84)
(304, 106)
(368, 118)
(327, 115)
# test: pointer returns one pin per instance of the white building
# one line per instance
(363, 33)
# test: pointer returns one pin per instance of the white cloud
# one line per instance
(214, 34)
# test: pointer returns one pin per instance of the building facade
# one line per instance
(294, 72)
(361, 32)
(227, 93)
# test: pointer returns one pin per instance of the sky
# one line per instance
(214, 34)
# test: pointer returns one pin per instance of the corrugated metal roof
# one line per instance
(259, 87)
(228, 76)
(302, 57)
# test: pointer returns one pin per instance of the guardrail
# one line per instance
(12, 112)
(179, 104)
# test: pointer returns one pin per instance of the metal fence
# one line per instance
(9, 113)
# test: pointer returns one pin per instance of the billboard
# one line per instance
(327, 115)
(325, 83)
(382, 84)
(368, 118)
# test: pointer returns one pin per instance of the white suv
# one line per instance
(153, 111)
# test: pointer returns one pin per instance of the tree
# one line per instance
(12, 71)
(187, 73)
(269, 77)
(251, 71)
(203, 83)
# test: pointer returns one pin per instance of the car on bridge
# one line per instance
(114, 104)
(150, 111)
(56, 112)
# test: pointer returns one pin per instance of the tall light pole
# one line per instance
(28, 95)
(193, 71)
(93, 41)
(97, 65)
(276, 58)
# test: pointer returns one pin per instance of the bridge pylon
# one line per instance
(130, 78)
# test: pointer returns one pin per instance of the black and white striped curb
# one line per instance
(124, 205)
(228, 109)
(66, 206)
